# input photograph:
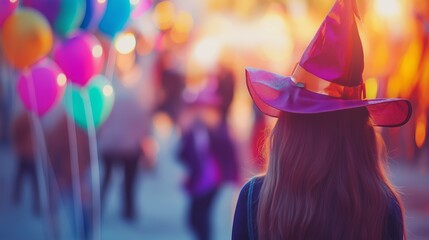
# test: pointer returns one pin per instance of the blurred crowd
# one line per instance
(209, 149)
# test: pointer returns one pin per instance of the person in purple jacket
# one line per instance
(209, 155)
(326, 175)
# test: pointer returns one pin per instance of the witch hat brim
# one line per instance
(273, 93)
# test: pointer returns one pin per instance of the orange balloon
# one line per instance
(26, 37)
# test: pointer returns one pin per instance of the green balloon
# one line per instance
(69, 17)
(98, 94)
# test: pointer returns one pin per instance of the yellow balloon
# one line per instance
(26, 37)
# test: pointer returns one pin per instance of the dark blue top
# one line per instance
(240, 230)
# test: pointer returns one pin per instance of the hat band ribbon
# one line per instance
(313, 83)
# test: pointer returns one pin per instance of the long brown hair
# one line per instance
(325, 179)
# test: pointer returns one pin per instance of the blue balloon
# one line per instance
(115, 17)
(69, 17)
(93, 13)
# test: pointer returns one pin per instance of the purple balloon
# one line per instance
(49, 8)
(6, 8)
(93, 13)
(42, 86)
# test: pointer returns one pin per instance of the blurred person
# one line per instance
(23, 144)
(208, 154)
(171, 84)
(223, 80)
(223, 143)
(326, 175)
(3, 126)
(121, 142)
(225, 89)
(61, 193)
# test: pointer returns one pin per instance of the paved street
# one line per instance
(162, 204)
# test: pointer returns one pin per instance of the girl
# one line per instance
(325, 178)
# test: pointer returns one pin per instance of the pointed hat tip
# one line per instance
(335, 53)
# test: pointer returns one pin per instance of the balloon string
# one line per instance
(8, 91)
(95, 170)
(3, 71)
(40, 149)
(74, 158)
(111, 60)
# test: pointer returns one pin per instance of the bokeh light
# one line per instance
(276, 49)
(144, 45)
(182, 27)
(388, 8)
(164, 15)
(61, 79)
(97, 51)
(125, 43)
(371, 85)
(421, 130)
(107, 90)
(206, 51)
(134, 2)
(125, 62)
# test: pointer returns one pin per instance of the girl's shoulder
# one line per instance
(254, 182)
(253, 185)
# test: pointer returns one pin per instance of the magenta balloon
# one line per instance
(6, 8)
(49, 8)
(47, 81)
(80, 57)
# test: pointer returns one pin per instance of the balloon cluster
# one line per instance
(52, 44)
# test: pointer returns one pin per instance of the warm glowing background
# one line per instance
(200, 36)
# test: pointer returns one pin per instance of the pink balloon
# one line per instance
(141, 7)
(42, 86)
(6, 8)
(80, 57)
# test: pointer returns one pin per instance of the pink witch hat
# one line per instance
(328, 77)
